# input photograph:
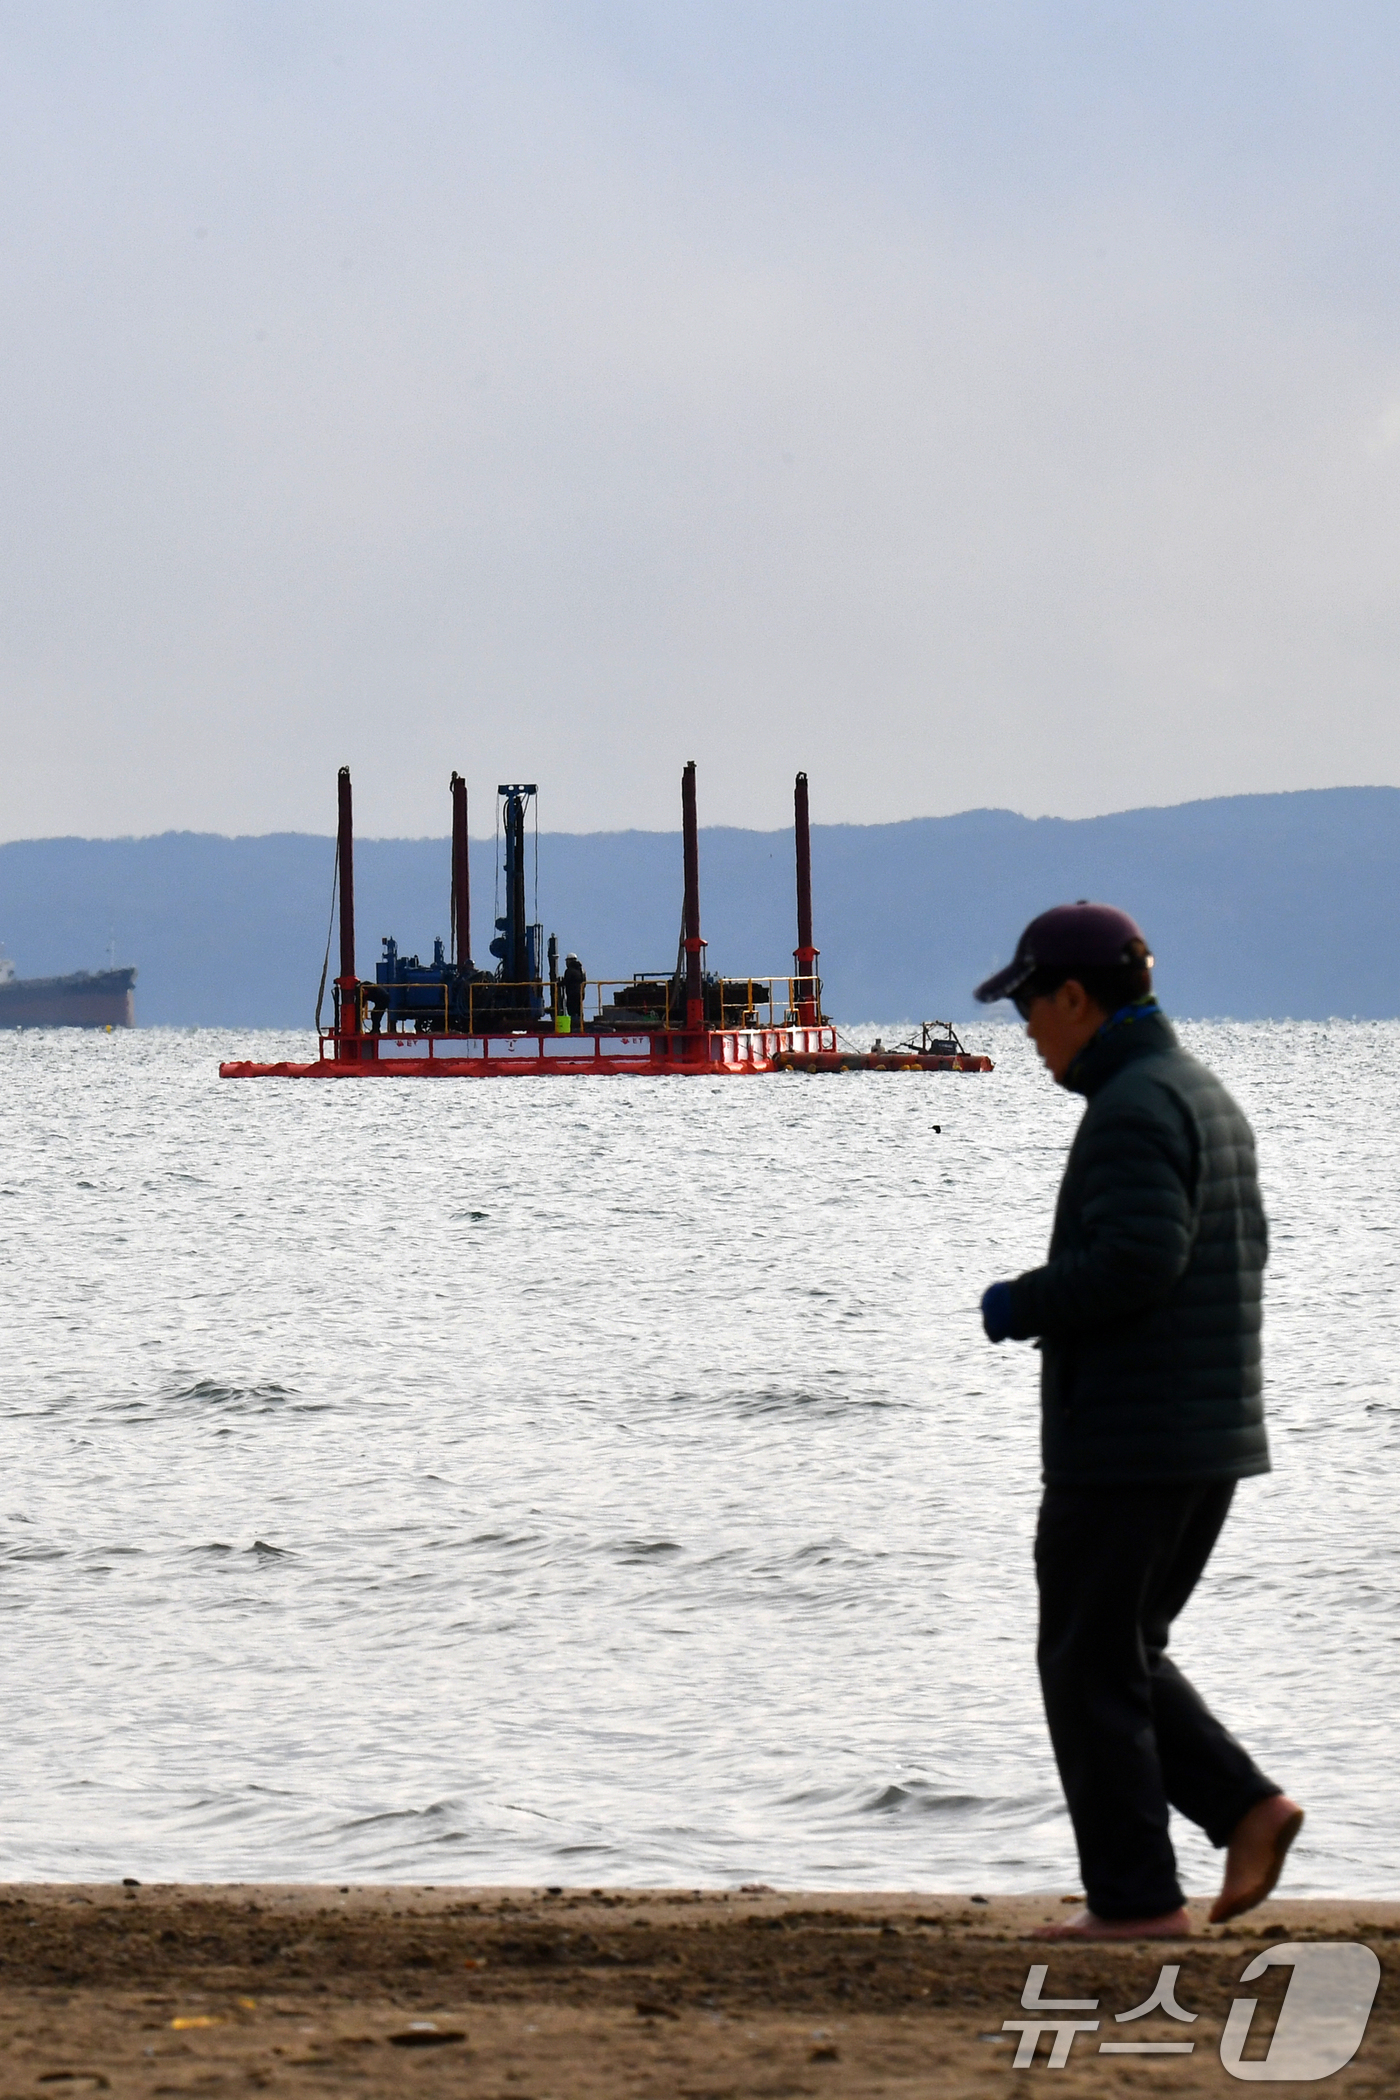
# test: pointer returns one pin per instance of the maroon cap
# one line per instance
(1070, 937)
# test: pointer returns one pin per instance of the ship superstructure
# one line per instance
(84, 999)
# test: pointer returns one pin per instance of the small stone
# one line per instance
(422, 2034)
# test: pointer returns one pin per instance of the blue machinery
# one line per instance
(452, 994)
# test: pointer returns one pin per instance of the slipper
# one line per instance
(1171, 1925)
(1263, 1886)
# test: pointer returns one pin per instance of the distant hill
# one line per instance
(1256, 905)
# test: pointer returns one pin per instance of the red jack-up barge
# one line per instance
(449, 1019)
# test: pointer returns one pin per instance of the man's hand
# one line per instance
(996, 1312)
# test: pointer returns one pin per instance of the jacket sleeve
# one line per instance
(1137, 1221)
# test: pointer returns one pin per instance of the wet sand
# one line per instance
(524, 1994)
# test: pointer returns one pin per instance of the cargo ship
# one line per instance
(85, 999)
(449, 1019)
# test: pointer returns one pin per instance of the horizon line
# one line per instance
(134, 838)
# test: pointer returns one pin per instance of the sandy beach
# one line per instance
(526, 1994)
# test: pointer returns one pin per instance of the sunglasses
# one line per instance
(1036, 987)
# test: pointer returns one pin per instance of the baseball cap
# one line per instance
(1070, 937)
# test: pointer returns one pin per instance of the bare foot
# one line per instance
(1254, 1859)
(1171, 1925)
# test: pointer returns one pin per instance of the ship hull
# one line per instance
(86, 999)
(710, 1053)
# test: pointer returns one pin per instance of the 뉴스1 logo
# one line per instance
(1321, 2022)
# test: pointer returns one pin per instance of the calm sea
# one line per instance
(608, 1481)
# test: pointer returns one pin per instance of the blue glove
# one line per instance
(996, 1312)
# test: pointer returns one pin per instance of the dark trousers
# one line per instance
(1114, 1566)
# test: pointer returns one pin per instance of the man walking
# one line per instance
(1147, 1314)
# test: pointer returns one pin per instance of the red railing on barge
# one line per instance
(716, 1051)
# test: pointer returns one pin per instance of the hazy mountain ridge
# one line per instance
(1256, 905)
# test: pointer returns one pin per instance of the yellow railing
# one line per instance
(640, 1014)
(754, 1008)
(758, 1007)
(529, 987)
(368, 994)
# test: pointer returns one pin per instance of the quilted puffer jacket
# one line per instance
(1148, 1310)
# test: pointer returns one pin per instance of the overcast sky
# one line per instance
(972, 404)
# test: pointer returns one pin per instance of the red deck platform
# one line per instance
(658, 1054)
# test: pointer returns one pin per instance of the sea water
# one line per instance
(607, 1481)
